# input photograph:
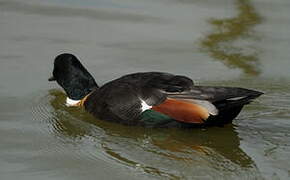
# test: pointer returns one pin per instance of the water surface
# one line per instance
(223, 42)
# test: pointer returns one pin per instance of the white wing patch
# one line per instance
(144, 106)
(236, 98)
(207, 105)
(71, 102)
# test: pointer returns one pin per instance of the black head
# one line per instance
(71, 75)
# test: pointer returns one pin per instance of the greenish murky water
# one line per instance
(216, 42)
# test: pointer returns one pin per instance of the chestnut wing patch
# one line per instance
(187, 111)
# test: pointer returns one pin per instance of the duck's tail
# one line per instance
(230, 106)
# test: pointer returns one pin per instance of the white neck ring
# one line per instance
(71, 102)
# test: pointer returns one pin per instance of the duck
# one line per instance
(151, 99)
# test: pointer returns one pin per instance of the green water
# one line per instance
(216, 42)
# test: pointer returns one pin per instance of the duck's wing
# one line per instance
(173, 97)
(125, 102)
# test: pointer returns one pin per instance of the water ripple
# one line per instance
(97, 14)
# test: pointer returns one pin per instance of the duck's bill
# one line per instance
(51, 79)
